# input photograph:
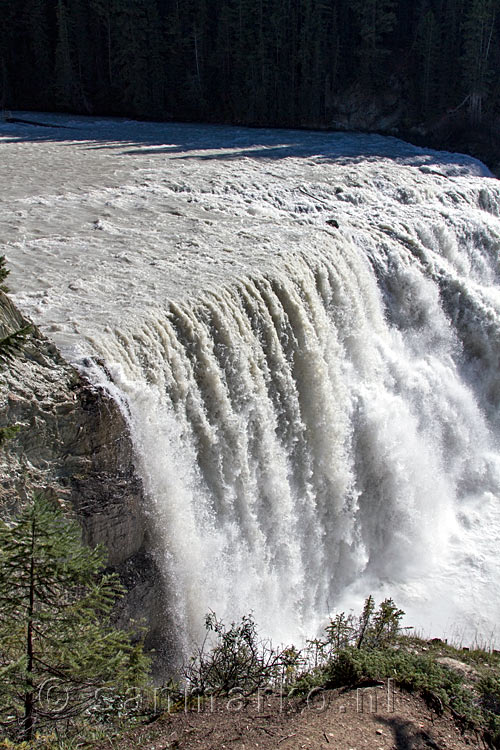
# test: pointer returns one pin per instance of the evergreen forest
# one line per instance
(257, 62)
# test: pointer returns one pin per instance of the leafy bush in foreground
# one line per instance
(355, 649)
(238, 659)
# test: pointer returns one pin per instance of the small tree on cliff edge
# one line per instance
(57, 645)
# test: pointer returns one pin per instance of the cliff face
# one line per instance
(74, 444)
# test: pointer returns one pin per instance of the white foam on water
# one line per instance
(303, 331)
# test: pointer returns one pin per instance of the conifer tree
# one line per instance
(376, 19)
(428, 38)
(479, 27)
(102, 13)
(36, 32)
(64, 73)
(7, 43)
(449, 16)
(136, 56)
(57, 644)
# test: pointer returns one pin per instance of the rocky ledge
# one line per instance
(73, 444)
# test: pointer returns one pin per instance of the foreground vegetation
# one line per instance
(59, 652)
(355, 651)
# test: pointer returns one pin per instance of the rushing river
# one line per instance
(304, 332)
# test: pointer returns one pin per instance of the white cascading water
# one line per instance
(303, 330)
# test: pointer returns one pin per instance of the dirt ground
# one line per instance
(375, 718)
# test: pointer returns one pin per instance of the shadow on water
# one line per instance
(221, 142)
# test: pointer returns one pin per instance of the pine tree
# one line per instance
(428, 38)
(9, 33)
(101, 12)
(57, 644)
(65, 81)
(186, 41)
(376, 19)
(38, 52)
(136, 56)
(449, 17)
(479, 27)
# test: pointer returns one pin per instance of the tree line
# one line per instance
(261, 62)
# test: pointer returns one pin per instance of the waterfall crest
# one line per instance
(307, 352)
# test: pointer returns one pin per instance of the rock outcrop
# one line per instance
(389, 111)
(73, 443)
(381, 111)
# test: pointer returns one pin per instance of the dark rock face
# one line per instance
(389, 111)
(381, 111)
(74, 444)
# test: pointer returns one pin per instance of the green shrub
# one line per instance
(237, 659)
(489, 689)
(353, 651)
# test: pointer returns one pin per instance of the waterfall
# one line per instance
(295, 440)
(306, 347)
